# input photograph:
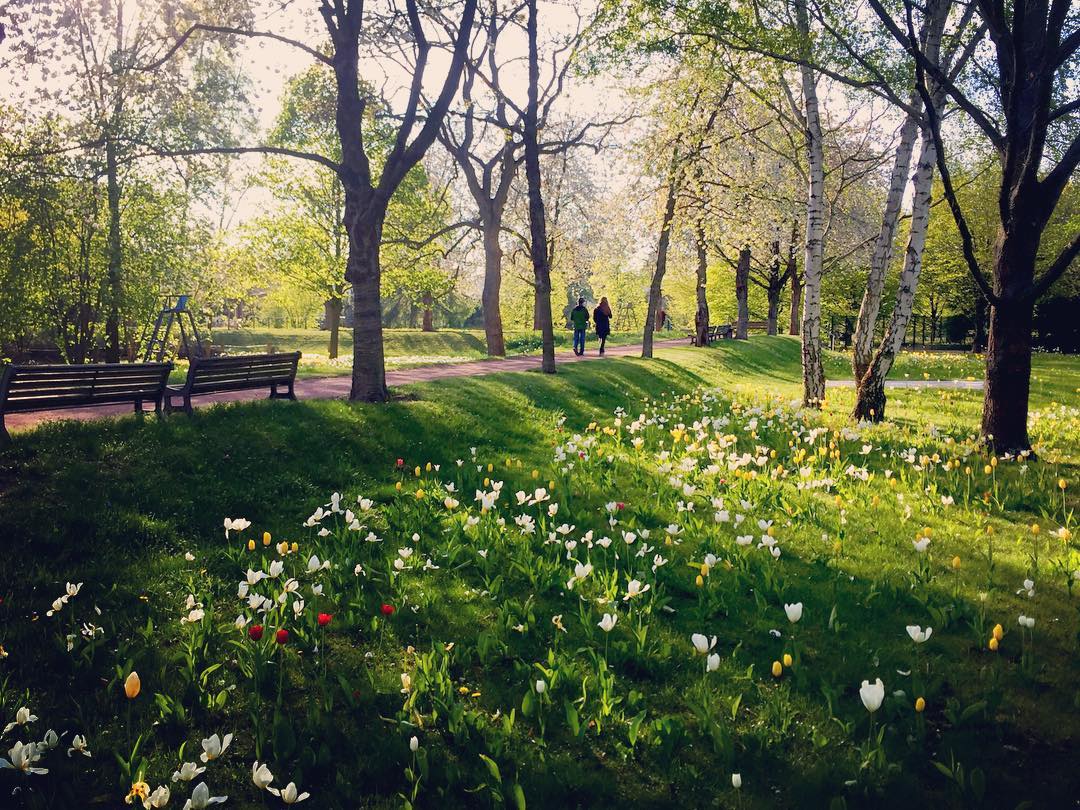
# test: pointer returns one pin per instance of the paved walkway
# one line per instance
(338, 387)
(956, 385)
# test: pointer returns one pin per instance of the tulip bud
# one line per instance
(787, 660)
(397, 486)
(295, 547)
(541, 686)
(324, 619)
(920, 705)
(251, 545)
(266, 538)
(282, 636)
(998, 632)
(416, 471)
(255, 632)
(777, 669)
(132, 685)
(956, 563)
(413, 744)
(699, 581)
(535, 474)
(736, 780)
(993, 644)
(1061, 484)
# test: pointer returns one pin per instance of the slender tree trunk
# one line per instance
(883, 246)
(774, 307)
(363, 272)
(429, 314)
(538, 247)
(490, 298)
(115, 254)
(701, 317)
(333, 323)
(742, 290)
(812, 364)
(870, 394)
(660, 269)
(796, 298)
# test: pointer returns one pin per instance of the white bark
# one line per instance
(813, 369)
(883, 244)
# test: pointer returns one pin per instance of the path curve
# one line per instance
(338, 387)
(955, 385)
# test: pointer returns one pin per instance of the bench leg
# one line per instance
(5, 437)
(187, 405)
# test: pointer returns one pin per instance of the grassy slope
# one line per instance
(113, 503)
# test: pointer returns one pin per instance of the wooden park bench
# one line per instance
(717, 331)
(211, 375)
(51, 387)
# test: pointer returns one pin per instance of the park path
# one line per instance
(956, 385)
(338, 387)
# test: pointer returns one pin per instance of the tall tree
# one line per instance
(1030, 123)
(351, 25)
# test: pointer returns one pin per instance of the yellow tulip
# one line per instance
(956, 563)
(993, 644)
(1034, 528)
(787, 659)
(699, 580)
(777, 669)
(132, 685)
(416, 471)
(419, 494)
(251, 545)
(427, 467)
(988, 469)
(295, 547)
(266, 538)
(920, 705)
(1061, 483)
(998, 632)
(535, 474)
(397, 486)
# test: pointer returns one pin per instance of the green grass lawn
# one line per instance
(626, 718)
(404, 348)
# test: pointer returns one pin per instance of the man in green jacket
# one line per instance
(579, 317)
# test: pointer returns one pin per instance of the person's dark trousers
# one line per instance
(579, 341)
(603, 340)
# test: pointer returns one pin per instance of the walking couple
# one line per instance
(579, 317)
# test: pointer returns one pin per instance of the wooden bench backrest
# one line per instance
(35, 388)
(241, 371)
(757, 324)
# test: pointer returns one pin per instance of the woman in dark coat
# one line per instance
(602, 319)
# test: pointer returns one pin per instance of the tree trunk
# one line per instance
(332, 309)
(1008, 377)
(429, 315)
(774, 308)
(796, 298)
(363, 272)
(813, 367)
(978, 343)
(870, 395)
(490, 298)
(660, 269)
(538, 247)
(701, 317)
(883, 246)
(115, 255)
(742, 289)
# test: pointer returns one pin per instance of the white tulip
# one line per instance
(414, 744)
(794, 612)
(289, 794)
(541, 686)
(159, 798)
(201, 798)
(736, 780)
(22, 717)
(712, 663)
(607, 624)
(261, 775)
(918, 635)
(214, 747)
(78, 746)
(187, 772)
(702, 643)
(872, 694)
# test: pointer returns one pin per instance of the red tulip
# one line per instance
(620, 506)
(282, 636)
(387, 610)
(255, 632)
(324, 619)
(401, 462)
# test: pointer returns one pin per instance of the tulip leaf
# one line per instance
(493, 768)
(519, 796)
(572, 718)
